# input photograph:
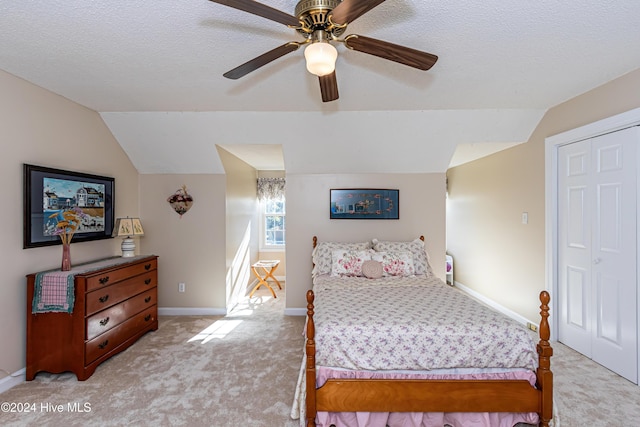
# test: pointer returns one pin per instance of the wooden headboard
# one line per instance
(315, 240)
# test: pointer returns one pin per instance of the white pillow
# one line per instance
(348, 262)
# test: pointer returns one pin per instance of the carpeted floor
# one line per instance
(238, 370)
(589, 395)
(241, 370)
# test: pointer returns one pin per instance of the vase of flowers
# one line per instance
(66, 257)
(68, 223)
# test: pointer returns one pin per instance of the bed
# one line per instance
(402, 348)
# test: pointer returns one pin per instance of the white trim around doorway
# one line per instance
(552, 143)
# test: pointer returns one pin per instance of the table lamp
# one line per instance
(128, 228)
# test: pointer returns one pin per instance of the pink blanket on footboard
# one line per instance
(415, 327)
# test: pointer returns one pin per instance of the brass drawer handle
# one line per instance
(104, 321)
(147, 266)
(103, 344)
(147, 317)
(147, 281)
(103, 280)
(147, 299)
(104, 298)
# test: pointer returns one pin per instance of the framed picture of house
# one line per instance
(364, 203)
(48, 193)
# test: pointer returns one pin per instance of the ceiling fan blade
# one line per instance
(261, 60)
(261, 10)
(393, 52)
(329, 87)
(350, 10)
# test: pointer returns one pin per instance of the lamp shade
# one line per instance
(321, 58)
(128, 228)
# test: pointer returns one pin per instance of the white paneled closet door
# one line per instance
(597, 248)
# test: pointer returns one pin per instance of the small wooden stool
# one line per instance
(268, 267)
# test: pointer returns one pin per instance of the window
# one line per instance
(270, 192)
(273, 213)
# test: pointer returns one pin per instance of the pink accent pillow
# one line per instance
(372, 269)
(322, 255)
(395, 263)
(347, 262)
(416, 247)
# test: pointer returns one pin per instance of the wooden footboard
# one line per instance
(374, 395)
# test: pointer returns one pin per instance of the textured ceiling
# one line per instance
(135, 61)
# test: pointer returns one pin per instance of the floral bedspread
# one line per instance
(412, 323)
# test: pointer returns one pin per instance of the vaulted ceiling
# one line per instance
(153, 70)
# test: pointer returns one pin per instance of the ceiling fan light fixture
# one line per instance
(321, 58)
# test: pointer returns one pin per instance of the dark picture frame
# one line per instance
(364, 203)
(48, 190)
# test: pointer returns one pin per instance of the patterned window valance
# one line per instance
(271, 188)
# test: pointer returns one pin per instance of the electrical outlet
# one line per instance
(181, 287)
(531, 326)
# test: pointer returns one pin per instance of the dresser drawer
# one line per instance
(108, 341)
(110, 318)
(111, 295)
(116, 303)
(113, 276)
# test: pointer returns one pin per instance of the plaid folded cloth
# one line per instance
(53, 292)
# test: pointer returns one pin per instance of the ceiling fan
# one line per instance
(322, 22)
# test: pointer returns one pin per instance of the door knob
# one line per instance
(597, 261)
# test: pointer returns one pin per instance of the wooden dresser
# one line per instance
(114, 306)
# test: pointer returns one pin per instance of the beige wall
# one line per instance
(41, 128)
(422, 212)
(241, 221)
(494, 253)
(210, 247)
(190, 248)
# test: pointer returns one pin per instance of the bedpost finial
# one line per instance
(545, 298)
(545, 331)
(545, 351)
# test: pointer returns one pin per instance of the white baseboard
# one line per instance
(295, 311)
(491, 303)
(13, 380)
(190, 311)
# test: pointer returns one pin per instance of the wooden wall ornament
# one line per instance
(181, 201)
